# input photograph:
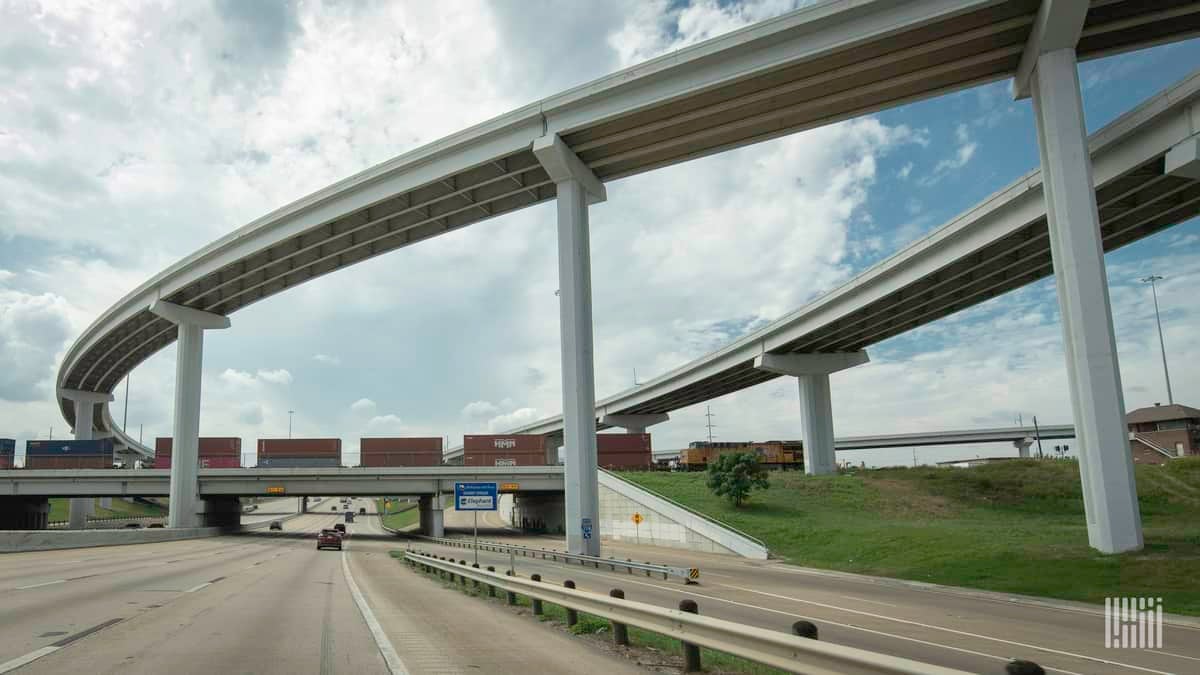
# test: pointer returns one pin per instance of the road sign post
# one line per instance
(637, 530)
(476, 497)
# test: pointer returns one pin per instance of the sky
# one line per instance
(133, 134)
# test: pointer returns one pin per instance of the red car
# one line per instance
(329, 539)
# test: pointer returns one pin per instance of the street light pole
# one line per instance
(1161, 345)
(290, 413)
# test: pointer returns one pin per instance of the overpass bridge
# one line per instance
(832, 61)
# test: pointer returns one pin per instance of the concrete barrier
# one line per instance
(17, 541)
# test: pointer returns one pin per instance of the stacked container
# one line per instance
(68, 454)
(623, 451)
(504, 450)
(299, 453)
(8, 452)
(215, 453)
(400, 451)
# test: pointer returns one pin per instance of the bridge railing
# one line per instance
(772, 648)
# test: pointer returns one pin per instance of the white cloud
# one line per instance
(327, 359)
(963, 153)
(363, 405)
(476, 409)
(904, 171)
(516, 418)
(33, 329)
(386, 424)
(277, 376)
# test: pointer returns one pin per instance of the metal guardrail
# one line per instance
(780, 650)
(689, 509)
(690, 575)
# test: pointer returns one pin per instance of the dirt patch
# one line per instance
(902, 499)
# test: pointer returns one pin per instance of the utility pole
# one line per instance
(1037, 434)
(914, 457)
(708, 414)
(125, 420)
(140, 434)
(290, 413)
(51, 436)
(1161, 345)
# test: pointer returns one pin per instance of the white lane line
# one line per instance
(1178, 656)
(873, 602)
(44, 583)
(193, 589)
(390, 657)
(28, 658)
(949, 630)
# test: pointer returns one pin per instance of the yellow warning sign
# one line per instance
(275, 490)
(510, 487)
(637, 519)
(694, 573)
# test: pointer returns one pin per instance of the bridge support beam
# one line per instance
(816, 406)
(223, 512)
(1093, 374)
(85, 421)
(1022, 446)
(577, 187)
(186, 509)
(431, 516)
(635, 424)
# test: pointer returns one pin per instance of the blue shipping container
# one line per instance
(8, 446)
(103, 446)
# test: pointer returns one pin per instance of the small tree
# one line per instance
(734, 475)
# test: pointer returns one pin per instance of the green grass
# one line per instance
(1014, 527)
(60, 509)
(396, 518)
(595, 627)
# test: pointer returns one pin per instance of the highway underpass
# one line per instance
(270, 602)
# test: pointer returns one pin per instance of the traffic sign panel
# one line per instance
(637, 519)
(475, 496)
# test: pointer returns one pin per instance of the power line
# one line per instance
(708, 414)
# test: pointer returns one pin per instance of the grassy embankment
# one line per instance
(399, 514)
(1014, 527)
(60, 509)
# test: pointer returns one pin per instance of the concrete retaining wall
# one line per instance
(14, 541)
(665, 523)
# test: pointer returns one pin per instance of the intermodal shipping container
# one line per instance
(6, 462)
(507, 443)
(68, 461)
(623, 451)
(164, 462)
(210, 446)
(299, 462)
(300, 447)
(64, 447)
(8, 446)
(412, 451)
(406, 444)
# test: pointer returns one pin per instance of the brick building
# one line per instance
(1162, 432)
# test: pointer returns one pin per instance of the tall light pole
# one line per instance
(290, 413)
(125, 420)
(1161, 345)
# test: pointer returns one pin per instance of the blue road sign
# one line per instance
(475, 496)
(587, 528)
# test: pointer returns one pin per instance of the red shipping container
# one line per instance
(623, 442)
(68, 462)
(410, 444)
(427, 458)
(210, 446)
(505, 443)
(503, 458)
(300, 447)
(6, 462)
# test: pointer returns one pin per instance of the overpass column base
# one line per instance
(24, 513)
(223, 512)
(432, 517)
(78, 511)
(1093, 373)
(304, 505)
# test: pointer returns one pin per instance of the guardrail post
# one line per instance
(572, 615)
(620, 631)
(1020, 667)
(630, 568)
(691, 652)
(537, 604)
(805, 629)
(475, 581)
(511, 597)
(462, 580)
(491, 588)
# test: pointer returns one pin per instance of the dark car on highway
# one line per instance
(329, 539)
(340, 527)
(276, 525)
(362, 510)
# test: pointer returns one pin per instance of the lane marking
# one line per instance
(44, 583)
(390, 657)
(949, 630)
(28, 658)
(193, 589)
(873, 602)
(1178, 656)
(86, 632)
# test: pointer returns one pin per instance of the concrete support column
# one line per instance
(223, 512)
(816, 406)
(577, 187)
(437, 520)
(304, 505)
(1093, 374)
(816, 424)
(85, 419)
(185, 507)
(1022, 446)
